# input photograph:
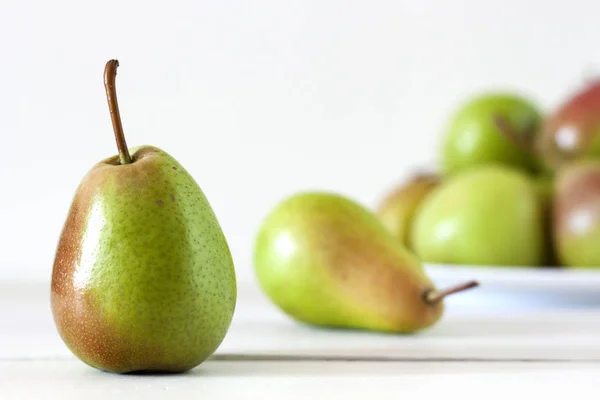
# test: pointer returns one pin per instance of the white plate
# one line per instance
(517, 288)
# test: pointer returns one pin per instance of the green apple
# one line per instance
(492, 215)
(492, 128)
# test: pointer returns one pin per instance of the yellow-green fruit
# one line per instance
(491, 215)
(397, 209)
(326, 260)
(476, 134)
(143, 278)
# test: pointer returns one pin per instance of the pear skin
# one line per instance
(325, 260)
(397, 209)
(576, 215)
(143, 278)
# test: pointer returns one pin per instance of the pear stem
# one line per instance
(110, 74)
(522, 141)
(433, 296)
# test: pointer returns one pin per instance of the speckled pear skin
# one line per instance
(143, 278)
(326, 260)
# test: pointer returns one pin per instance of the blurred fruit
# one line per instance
(326, 260)
(545, 188)
(572, 132)
(493, 128)
(491, 215)
(577, 215)
(397, 209)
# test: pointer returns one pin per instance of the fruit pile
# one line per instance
(515, 188)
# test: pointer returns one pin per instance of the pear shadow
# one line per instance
(153, 373)
(142, 372)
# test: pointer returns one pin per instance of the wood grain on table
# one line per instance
(267, 356)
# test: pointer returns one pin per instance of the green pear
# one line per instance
(576, 215)
(397, 209)
(491, 215)
(143, 278)
(491, 128)
(325, 260)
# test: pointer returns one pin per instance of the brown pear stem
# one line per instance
(524, 142)
(433, 296)
(110, 74)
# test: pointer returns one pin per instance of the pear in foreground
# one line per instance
(143, 278)
(577, 215)
(326, 260)
(397, 209)
(491, 215)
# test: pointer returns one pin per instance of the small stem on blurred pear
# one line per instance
(433, 296)
(110, 74)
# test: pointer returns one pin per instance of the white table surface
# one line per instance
(472, 352)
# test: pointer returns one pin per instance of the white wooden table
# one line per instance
(470, 354)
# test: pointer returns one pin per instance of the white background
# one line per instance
(258, 99)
